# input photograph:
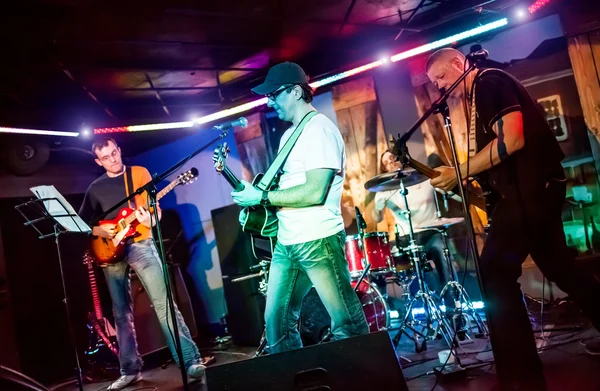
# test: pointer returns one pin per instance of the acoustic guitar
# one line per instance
(260, 220)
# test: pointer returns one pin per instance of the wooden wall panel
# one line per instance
(584, 51)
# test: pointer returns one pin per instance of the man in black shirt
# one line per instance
(140, 255)
(513, 150)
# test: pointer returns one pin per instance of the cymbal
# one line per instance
(391, 180)
(445, 222)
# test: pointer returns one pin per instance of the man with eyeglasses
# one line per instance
(311, 237)
(140, 255)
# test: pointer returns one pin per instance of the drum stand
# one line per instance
(435, 321)
(460, 296)
(459, 293)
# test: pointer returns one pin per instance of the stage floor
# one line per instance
(566, 365)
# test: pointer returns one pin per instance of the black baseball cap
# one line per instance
(279, 75)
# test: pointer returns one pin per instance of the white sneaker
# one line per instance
(196, 371)
(124, 381)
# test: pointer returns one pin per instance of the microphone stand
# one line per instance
(441, 106)
(150, 188)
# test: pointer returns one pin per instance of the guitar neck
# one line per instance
(474, 198)
(423, 169)
(94, 289)
(232, 179)
(129, 219)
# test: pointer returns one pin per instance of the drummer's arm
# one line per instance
(376, 210)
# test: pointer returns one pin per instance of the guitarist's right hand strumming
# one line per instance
(106, 231)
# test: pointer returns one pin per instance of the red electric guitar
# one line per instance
(102, 333)
(111, 250)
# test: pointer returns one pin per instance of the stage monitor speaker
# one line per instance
(366, 362)
(150, 337)
(245, 305)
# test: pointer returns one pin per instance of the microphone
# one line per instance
(478, 55)
(359, 219)
(241, 122)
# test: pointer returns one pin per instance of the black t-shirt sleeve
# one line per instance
(89, 208)
(496, 96)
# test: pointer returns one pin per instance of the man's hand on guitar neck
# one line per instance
(446, 180)
(249, 196)
(144, 216)
(106, 231)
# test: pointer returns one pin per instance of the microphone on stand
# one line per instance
(478, 55)
(241, 122)
(360, 222)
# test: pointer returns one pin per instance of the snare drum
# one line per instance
(376, 250)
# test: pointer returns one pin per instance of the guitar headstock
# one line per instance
(88, 259)
(187, 177)
(220, 154)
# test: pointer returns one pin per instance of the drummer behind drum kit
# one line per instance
(371, 256)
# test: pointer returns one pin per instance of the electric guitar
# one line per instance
(483, 200)
(102, 333)
(111, 250)
(260, 220)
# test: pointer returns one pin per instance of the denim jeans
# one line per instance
(143, 258)
(294, 270)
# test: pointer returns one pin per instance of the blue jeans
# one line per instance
(294, 270)
(143, 258)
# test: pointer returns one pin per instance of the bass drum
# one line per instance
(315, 321)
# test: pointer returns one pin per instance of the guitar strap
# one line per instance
(282, 156)
(129, 186)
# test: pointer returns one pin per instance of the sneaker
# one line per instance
(124, 381)
(196, 371)
(593, 347)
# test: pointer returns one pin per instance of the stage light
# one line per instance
(450, 40)
(85, 132)
(537, 5)
(319, 83)
(231, 111)
(38, 132)
(143, 128)
(521, 14)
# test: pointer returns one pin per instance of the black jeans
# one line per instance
(525, 224)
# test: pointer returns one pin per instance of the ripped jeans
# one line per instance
(294, 270)
(143, 258)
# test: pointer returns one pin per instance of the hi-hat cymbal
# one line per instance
(391, 180)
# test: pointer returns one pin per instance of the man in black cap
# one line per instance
(311, 237)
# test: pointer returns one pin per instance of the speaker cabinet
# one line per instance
(149, 334)
(245, 305)
(366, 362)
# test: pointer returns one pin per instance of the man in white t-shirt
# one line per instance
(423, 213)
(311, 237)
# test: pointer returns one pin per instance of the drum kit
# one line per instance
(372, 257)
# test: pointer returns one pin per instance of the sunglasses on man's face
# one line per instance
(274, 95)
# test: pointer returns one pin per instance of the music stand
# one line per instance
(51, 216)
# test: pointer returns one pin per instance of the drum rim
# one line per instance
(382, 299)
(372, 234)
(376, 234)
